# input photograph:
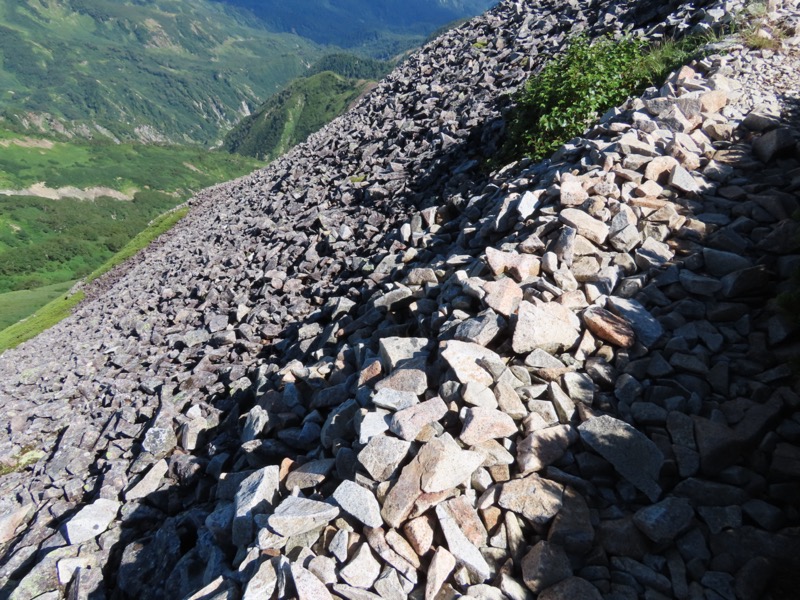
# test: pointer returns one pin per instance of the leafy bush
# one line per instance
(588, 79)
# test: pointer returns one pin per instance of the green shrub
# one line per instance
(570, 92)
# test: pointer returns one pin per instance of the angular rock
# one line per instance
(571, 588)
(503, 296)
(464, 357)
(362, 570)
(609, 327)
(451, 466)
(308, 586)
(587, 226)
(548, 327)
(482, 424)
(256, 494)
(460, 547)
(648, 330)
(92, 520)
(664, 521)
(632, 454)
(408, 422)
(382, 455)
(544, 447)
(295, 516)
(442, 564)
(359, 502)
(545, 565)
(533, 497)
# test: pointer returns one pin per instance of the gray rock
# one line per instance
(382, 455)
(262, 583)
(295, 516)
(545, 565)
(91, 520)
(450, 465)
(359, 502)
(648, 330)
(362, 570)
(571, 588)
(395, 350)
(256, 494)
(631, 452)
(394, 399)
(310, 474)
(773, 143)
(408, 422)
(547, 327)
(149, 483)
(308, 586)
(666, 520)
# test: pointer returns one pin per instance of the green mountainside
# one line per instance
(147, 70)
(66, 207)
(305, 106)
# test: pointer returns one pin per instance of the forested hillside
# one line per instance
(290, 116)
(159, 70)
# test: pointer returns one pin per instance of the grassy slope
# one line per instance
(44, 241)
(18, 305)
(181, 68)
(292, 115)
(61, 306)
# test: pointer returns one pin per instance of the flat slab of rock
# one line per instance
(91, 520)
(395, 350)
(550, 327)
(632, 453)
(450, 466)
(382, 455)
(359, 502)
(299, 515)
(648, 330)
(609, 327)
(586, 225)
(408, 422)
(483, 424)
(535, 498)
(310, 474)
(464, 551)
(463, 358)
(255, 495)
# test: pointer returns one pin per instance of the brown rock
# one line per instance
(533, 497)
(503, 296)
(442, 564)
(482, 424)
(609, 327)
